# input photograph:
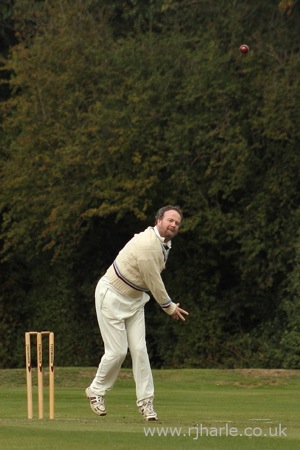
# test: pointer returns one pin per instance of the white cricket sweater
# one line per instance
(138, 267)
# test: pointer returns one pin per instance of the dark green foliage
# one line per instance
(117, 108)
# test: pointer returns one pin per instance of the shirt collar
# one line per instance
(167, 244)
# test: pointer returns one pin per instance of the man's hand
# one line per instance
(178, 313)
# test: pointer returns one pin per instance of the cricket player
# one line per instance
(120, 297)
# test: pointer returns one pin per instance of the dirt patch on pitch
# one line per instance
(255, 378)
(268, 373)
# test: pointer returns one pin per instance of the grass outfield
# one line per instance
(198, 409)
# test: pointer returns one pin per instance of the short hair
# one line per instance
(160, 213)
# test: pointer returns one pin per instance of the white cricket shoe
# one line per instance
(97, 402)
(146, 409)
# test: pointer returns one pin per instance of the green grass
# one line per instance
(221, 405)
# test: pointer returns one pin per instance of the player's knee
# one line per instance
(118, 355)
(139, 349)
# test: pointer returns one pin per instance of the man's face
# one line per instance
(169, 225)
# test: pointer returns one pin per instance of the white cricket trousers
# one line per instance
(122, 326)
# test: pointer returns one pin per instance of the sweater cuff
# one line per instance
(169, 308)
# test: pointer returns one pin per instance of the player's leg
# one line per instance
(114, 336)
(142, 373)
(113, 333)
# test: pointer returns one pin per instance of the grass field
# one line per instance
(198, 409)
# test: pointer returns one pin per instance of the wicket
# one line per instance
(39, 345)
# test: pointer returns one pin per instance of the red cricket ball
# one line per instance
(244, 48)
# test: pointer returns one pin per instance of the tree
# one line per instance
(115, 112)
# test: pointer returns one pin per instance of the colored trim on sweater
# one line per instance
(134, 286)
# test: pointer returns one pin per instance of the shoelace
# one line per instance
(149, 407)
